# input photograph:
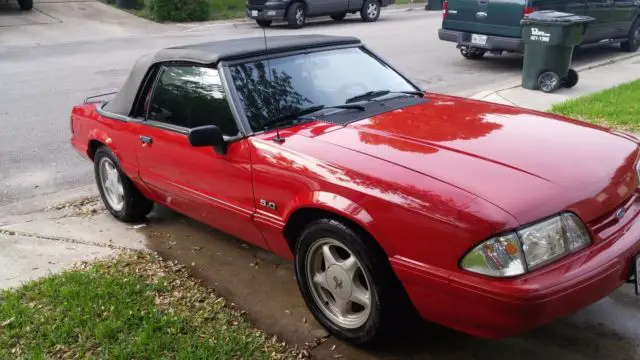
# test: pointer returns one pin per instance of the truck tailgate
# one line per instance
(487, 17)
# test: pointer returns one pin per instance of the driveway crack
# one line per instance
(62, 239)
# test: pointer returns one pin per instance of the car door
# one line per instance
(326, 7)
(603, 27)
(623, 14)
(197, 181)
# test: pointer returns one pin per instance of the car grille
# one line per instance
(609, 224)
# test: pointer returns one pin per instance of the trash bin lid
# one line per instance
(552, 17)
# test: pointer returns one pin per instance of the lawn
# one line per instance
(134, 306)
(618, 107)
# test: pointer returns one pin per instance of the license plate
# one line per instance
(254, 12)
(478, 39)
(637, 270)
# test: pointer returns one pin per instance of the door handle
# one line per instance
(146, 140)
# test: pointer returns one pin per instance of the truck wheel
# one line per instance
(370, 11)
(548, 81)
(570, 80)
(472, 53)
(25, 4)
(633, 39)
(264, 23)
(338, 17)
(296, 15)
(119, 195)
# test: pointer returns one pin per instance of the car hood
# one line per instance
(530, 164)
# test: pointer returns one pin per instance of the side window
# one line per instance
(144, 95)
(191, 96)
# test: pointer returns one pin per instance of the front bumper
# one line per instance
(496, 43)
(268, 11)
(494, 308)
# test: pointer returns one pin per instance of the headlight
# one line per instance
(529, 248)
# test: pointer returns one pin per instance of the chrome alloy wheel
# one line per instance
(111, 184)
(338, 283)
(372, 10)
(300, 16)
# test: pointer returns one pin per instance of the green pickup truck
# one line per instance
(478, 26)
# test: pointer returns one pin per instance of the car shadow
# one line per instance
(264, 286)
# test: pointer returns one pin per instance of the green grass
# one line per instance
(617, 107)
(220, 9)
(132, 307)
(227, 9)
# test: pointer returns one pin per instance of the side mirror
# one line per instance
(209, 135)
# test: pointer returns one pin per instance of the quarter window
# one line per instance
(189, 97)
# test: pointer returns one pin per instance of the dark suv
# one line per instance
(295, 12)
(478, 26)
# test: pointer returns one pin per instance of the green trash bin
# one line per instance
(549, 38)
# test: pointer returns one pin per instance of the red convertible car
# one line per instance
(488, 219)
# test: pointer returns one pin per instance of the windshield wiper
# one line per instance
(306, 111)
(370, 95)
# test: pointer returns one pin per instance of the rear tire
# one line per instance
(633, 39)
(338, 17)
(389, 310)
(296, 15)
(263, 23)
(472, 53)
(370, 11)
(128, 205)
(25, 4)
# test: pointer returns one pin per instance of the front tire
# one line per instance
(263, 23)
(119, 195)
(25, 4)
(296, 15)
(633, 39)
(347, 285)
(370, 11)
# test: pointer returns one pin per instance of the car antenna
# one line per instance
(277, 139)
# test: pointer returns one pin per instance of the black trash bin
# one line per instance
(127, 4)
(549, 38)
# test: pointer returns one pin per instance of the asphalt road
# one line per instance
(47, 66)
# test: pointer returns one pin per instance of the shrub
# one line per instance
(179, 10)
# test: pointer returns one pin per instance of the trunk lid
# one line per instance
(486, 17)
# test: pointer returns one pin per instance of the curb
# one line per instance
(515, 84)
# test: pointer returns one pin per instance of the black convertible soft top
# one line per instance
(211, 53)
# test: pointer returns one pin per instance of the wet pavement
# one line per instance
(264, 286)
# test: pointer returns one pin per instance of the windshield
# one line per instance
(301, 81)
